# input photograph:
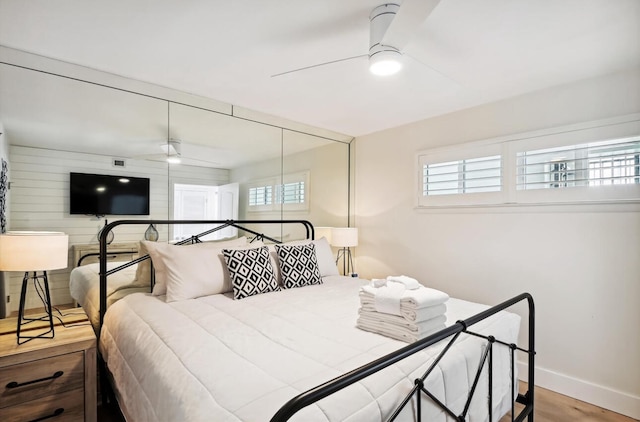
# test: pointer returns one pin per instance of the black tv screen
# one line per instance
(102, 194)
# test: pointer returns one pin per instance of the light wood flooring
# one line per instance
(554, 407)
(550, 407)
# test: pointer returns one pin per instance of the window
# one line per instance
(615, 164)
(462, 176)
(591, 162)
(291, 193)
(271, 195)
(260, 195)
(594, 164)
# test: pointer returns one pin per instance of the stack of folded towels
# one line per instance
(401, 308)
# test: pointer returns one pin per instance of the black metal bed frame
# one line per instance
(315, 394)
(220, 225)
(527, 399)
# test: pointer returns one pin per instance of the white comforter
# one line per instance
(84, 285)
(219, 359)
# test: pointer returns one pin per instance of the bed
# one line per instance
(292, 354)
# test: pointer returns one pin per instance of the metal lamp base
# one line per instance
(45, 296)
(347, 262)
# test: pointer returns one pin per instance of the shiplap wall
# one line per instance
(39, 199)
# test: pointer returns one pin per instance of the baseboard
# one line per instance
(607, 398)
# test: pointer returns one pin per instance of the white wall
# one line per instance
(581, 263)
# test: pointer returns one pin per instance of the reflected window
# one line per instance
(291, 193)
(270, 195)
(260, 195)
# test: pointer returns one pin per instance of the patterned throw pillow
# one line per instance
(298, 265)
(251, 272)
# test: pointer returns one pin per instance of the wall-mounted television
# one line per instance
(103, 194)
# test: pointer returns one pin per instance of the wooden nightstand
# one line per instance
(115, 252)
(50, 379)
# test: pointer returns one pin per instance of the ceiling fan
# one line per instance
(391, 27)
(172, 152)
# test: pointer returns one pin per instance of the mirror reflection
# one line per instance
(229, 167)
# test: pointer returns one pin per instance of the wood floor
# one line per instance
(555, 407)
(550, 407)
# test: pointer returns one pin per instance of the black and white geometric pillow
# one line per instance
(251, 271)
(298, 265)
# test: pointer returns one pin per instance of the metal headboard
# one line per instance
(220, 225)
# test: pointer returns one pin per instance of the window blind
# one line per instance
(291, 193)
(471, 175)
(614, 162)
(260, 195)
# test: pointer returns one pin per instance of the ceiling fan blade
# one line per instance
(407, 21)
(434, 70)
(318, 65)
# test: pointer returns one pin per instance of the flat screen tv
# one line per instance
(102, 194)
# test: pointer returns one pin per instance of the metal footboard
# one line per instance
(453, 332)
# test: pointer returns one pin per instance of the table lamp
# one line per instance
(35, 253)
(345, 238)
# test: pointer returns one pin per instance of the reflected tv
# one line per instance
(103, 194)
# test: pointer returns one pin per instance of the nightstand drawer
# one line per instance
(39, 378)
(67, 407)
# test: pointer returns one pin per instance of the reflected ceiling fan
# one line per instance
(172, 152)
(391, 27)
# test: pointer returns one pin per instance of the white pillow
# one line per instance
(143, 272)
(193, 272)
(324, 254)
(273, 257)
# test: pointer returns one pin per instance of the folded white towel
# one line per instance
(422, 297)
(408, 282)
(378, 282)
(409, 313)
(408, 335)
(399, 320)
(387, 298)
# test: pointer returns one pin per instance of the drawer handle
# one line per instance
(15, 384)
(57, 412)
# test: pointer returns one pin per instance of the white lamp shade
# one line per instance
(325, 232)
(33, 251)
(344, 237)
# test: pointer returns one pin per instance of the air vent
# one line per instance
(117, 162)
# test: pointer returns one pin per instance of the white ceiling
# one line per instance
(483, 50)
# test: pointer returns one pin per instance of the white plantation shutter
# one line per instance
(591, 162)
(291, 193)
(260, 195)
(606, 163)
(472, 175)
(269, 195)
(467, 175)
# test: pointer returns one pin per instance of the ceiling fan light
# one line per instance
(385, 63)
(173, 159)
